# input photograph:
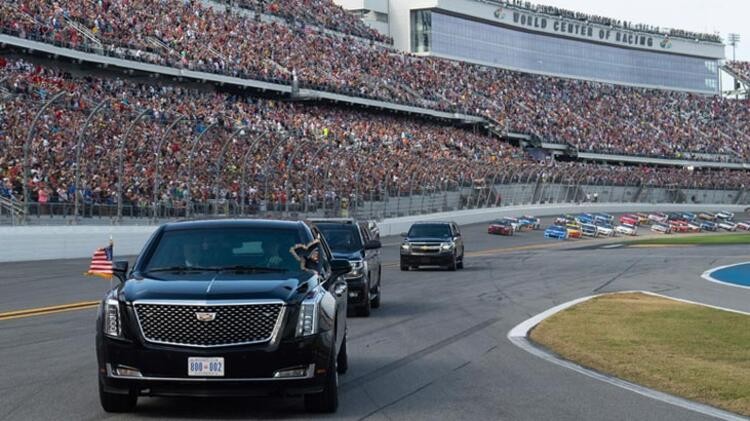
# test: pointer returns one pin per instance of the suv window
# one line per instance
(342, 238)
(219, 248)
(430, 230)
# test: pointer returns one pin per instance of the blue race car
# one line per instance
(556, 231)
(708, 226)
(585, 218)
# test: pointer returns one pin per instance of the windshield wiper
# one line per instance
(184, 269)
(246, 268)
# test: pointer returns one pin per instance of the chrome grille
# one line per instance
(179, 324)
(425, 248)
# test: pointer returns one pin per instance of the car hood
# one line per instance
(355, 255)
(288, 287)
(428, 239)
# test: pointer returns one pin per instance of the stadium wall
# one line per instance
(31, 243)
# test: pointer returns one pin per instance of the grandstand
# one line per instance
(177, 104)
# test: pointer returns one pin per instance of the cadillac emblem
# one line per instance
(205, 317)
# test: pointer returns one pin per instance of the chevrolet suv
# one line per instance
(353, 241)
(225, 308)
(432, 244)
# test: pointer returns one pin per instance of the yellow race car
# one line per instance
(574, 230)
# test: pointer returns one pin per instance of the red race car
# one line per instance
(501, 227)
(629, 220)
(679, 226)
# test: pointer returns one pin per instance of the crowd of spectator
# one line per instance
(741, 69)
(295, 152)
(590, 116)
(615, 23)
(321, 13)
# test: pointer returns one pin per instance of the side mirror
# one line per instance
(373, 245)
(403, 234)
(340, 267)
(120, 269)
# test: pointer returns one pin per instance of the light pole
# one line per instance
(27, 150)
(734, 39)
(196, 142)
(157, 162)
(219, 163)
(243, 175)
(121, 161)
(79, 147)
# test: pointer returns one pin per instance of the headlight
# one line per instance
(112, 319)
(405, 247)
(447, 246)
(307, 324)
(358, 268)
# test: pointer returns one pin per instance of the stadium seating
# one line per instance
(589, 116)
(741, 69)
(332, 151)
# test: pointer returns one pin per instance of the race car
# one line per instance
(564, 219)
(574, 231)
(744, 225)
(500, 227)
(513, 222)
(727, 225)
(725, 215)
(629, 219)
(585, 218)
(604, 217)
(531, 221)
(694, 227)
(678, 226)
(708, 226)
(642, 218)
(688, 216)
(589, 230)
(657, 217)
(605, 230)
(556, 231)
(661, 227)
(708, 216)
(626, 229)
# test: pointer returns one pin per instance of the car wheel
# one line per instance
(460, 263)
(404, 267)
(375, 302)
(115, 402)
(364, 309)
(453, 265)
(326, 401)
(342, 361)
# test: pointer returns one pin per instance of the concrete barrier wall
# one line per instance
(68, 242)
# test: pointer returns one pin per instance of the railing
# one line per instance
(377, 203)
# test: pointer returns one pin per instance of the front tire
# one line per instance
(117, 403)
(364, 309)
(342, 361)
(326, 401)
(460, 263)
(453, 264)
(375, 303)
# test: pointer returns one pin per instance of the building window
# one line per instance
(421, 30)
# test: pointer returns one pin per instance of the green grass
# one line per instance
(679, 239)
(696, 352)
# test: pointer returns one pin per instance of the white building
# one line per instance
(536, 40)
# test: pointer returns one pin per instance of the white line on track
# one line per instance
(707, 276)
(519, 337)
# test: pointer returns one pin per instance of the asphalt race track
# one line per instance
(436, 349)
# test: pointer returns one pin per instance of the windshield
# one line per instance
(341, 238)
(430, 230)
(260, 249)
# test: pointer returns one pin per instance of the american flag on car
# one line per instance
(101, 263)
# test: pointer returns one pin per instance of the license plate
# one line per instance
(206, 367)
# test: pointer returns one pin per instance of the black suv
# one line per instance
(355, 242)
(225, 308)
(432, 244)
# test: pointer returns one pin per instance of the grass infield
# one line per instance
(717, 240)
(695, 352)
